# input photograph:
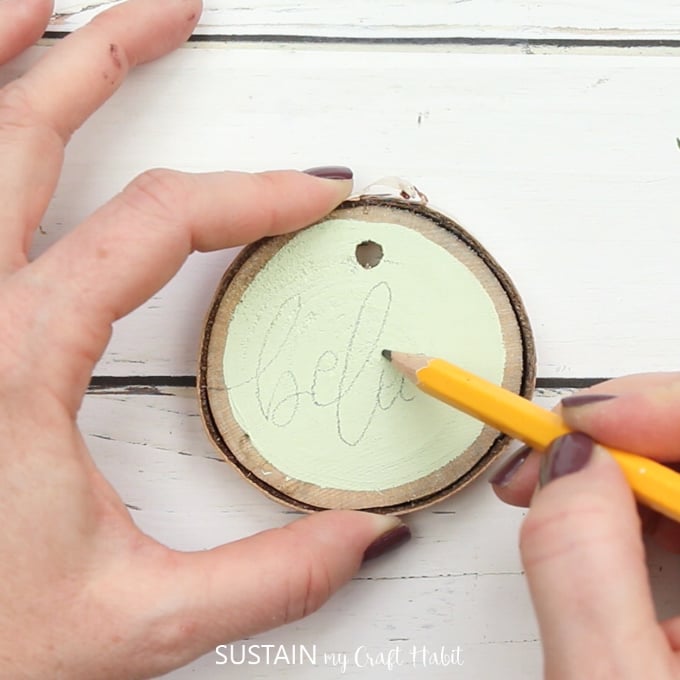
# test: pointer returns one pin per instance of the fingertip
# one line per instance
(585, 399)
(193, 12)
(642, 421)
(287, 200)
(337, 178)
(22, 22)
(365, 535)
(505, 473)
(515, 480)
(40, 11)
(342, 189)
(576, 452)
(583, 411)
(150, 29)
(190, 15)
(37, 11)
(388, 541)
(368, 534)
(336, 172)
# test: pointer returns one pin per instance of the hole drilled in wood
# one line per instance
(369, 254)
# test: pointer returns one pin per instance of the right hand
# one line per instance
(581, 541)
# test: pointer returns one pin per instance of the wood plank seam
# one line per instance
(463, 41)
(152, 384)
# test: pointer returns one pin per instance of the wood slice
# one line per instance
(292, 386)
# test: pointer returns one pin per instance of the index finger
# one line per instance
(132, 246)
(84, 69)
(40, 110)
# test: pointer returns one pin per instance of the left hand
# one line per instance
(84, 594)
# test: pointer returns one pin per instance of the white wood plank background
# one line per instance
(519, 19)
(459, 581)
(565, 166)
(563, 161)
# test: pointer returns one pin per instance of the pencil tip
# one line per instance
(387, 353)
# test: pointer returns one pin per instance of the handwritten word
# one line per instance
(338, 378)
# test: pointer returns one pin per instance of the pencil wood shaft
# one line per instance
(654, 484)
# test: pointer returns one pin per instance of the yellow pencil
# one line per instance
(654, 484)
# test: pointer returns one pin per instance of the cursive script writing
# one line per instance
(344, 379)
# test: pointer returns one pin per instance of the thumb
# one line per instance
(584, 559)
(276, 576)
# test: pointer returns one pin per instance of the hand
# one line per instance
(83, 593)
(581, 542)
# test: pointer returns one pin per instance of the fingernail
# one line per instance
(507, 471)
(567, 454)
(390, 540)
(585, 399)
(649, 519)
(330, 172)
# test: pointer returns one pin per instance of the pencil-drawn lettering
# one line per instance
(338, 379)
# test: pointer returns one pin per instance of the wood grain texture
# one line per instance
(459, 582)
(565, 167)
(237, 445)
(563, 19)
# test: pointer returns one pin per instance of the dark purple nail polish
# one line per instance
(507, 471)
(584, 399)
(390, 540)
(567, 454)
(330, 172)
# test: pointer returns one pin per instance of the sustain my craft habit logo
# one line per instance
(362, 657)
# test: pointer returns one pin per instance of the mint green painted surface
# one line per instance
(302, 362)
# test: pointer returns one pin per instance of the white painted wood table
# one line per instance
(547, 128)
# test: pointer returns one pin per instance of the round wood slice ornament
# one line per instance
(294, 390)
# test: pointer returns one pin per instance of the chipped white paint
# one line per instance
(560, 19)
